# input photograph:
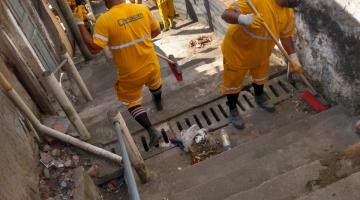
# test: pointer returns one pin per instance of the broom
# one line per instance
(175, 68)
(310, 97)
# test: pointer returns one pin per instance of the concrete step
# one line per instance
(286, 186)
(345, 189)
(331, 133)
(255, 149)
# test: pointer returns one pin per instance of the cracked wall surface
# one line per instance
(328, 42)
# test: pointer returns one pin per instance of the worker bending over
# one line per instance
(247, 47)
(167, 13)
(128, 30)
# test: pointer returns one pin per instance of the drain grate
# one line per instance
(142, 140)
(211, 116)
(214, 115)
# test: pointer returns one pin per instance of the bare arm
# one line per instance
(93, 48)
(288, 45)
(231, 17)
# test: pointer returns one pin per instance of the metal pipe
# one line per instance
(71, 68)
(51, 132)
(66, 105)
(133, 151)
(129, 175)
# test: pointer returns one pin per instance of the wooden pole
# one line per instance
(67, 13)
(66, 105)
(71, 69)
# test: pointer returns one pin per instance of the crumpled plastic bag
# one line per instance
(191, 135)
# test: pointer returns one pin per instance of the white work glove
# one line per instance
(251, 20)
(296, 67)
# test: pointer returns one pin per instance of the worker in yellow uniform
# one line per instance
(128, 30)
(167, 13)
(247, 47)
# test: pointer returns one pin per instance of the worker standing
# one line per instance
(247, 47)
(128, 30)
(167, 13)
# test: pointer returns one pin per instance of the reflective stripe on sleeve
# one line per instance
(101, 37)
(131, 43)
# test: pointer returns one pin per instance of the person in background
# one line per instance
(128, 30)
(247, 47)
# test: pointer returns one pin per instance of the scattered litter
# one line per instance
(200, 42)
(225, 139)
(179, 168)
(198, 142)
(114, 186)
(187, 136)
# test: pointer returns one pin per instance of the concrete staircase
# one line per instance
(277, 166)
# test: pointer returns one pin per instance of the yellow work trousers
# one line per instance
(129, 90)
(234, 77)
(167, 12)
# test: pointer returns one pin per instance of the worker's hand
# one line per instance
(296, 66)
(80, 14)
(251, 20)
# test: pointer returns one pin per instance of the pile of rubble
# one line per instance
(60, 165)
(56, 179)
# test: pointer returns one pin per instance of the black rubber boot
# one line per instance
(158, 103)
(264, 102)
(236, 120)
(155, 136)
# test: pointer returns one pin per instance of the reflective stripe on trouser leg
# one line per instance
(233, 79)
(260, 74)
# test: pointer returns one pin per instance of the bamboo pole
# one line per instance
(51, 132)
(71, 69)
(66, 105)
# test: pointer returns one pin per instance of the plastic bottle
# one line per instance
(225, 139)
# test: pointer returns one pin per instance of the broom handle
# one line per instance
(165, 58)
(283, 51)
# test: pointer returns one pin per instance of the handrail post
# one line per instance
(134, 154)
(129, 175)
